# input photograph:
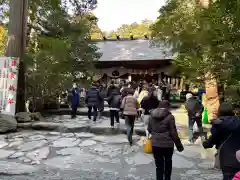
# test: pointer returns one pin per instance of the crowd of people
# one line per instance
(151, 102)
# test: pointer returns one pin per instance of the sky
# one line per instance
(113, 13)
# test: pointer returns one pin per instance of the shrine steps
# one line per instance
(82, 111)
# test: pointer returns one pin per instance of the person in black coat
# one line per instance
(114, 101)
(110, 89)
(149, 103)
(194, 109)
(75, 100)
(225, 134)
(102, 94)
(93, 99)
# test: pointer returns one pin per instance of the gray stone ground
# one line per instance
(41, 155)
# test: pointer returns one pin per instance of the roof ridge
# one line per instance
(122, 39)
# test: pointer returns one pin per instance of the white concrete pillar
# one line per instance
(129, 77)
(181, 84)
(173, 83)
(159, 78)
(177, 83)
(168, 80)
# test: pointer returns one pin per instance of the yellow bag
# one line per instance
(147, 146)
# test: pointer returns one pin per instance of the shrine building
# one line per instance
(135, 59)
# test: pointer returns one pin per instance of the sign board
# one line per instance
(8, 84)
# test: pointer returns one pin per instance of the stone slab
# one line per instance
(118, 139)
(181, 162)
(5, 153)
(13, 168)
(69, 151)
(88, 142)
(32, 145)
(36, 137)
(15, 143)
(66, 142)
(3, 144)
(16, 155)
(39, 154)
(84, 135)
(139, 159)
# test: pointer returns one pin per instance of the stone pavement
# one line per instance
(41, 155)
(64, 123)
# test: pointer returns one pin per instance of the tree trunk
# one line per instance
(16, 44)
(211, 85)
(212, 96)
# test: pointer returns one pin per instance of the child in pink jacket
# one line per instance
(237, 176)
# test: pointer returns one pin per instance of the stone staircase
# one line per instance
(82, 111)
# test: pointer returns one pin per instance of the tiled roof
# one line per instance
(127, 50)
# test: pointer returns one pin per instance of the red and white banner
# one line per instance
(8, 84)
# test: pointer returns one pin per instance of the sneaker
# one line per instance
(131, 143)
(118, 125)
(112, 127)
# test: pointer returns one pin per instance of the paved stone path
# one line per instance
(41, 155)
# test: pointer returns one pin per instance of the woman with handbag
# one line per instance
(162, 128)
(225, 133)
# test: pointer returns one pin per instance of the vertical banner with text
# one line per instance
(8, 84)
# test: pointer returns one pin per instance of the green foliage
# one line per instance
(204, 39)
(59, 50)
(3, 40)
(135, 29)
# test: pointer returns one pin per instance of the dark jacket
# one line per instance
(221, 130)
(114, 101)
(194, 108)
(149, 103)
(75, 96)
(102, 94)
(124, 91)
(163, 129)
(110, 90)
(93, 97)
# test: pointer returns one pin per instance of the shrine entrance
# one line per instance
(147, 77)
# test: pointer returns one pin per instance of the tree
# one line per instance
(3, 40)
(204, 39)
(135, 29)
(63, 41)
(16, 44)
(58, 49)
